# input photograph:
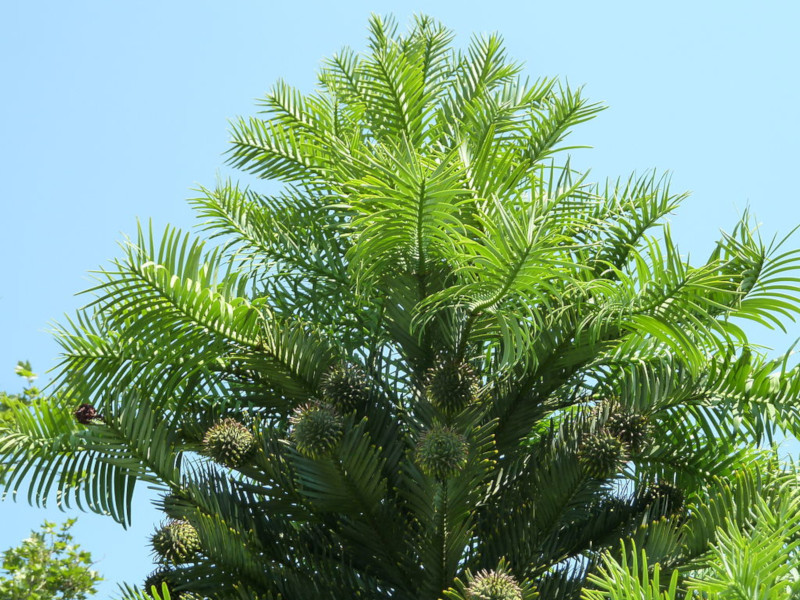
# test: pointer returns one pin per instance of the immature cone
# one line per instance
(345, 388)
(155, 579)
(600, 455)
(164, 575)
(229, 443)
(668, 495)
(441, 452)
(493, 585)
(176, 542)
(451, 386)
(86, 414)
(316, 429)
(631, 429)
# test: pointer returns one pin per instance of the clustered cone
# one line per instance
(493, 585)
(86, 414)
(176, 542)
(441, 452)
(600, 455)
(345, 388)
(451, 386)
(632, 429)
(229, 443)
(667, 494)
(316, 429)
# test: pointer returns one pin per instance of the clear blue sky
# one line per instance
(115, 110)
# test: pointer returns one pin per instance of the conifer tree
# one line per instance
(440, 363)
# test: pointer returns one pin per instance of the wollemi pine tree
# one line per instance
(438, 364)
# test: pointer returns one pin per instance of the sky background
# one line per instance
(115, 110)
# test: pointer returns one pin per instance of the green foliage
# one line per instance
(632, 580)
(446, 352)
(754, 562)
(28, 395)
(48, 566)
(10, 401)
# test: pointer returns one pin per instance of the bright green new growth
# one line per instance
(451, 386)
(428, 218)
(229, 443)
(316, 429)
(632, 580)
(441, 452)
(754, 554)
(176, 542)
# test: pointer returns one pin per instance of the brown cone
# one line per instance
(86, 414)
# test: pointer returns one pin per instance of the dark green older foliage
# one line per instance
(428, 222)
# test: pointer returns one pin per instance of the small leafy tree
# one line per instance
(48, 566)
(28, 396)
(438, 364)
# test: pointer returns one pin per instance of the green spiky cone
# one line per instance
(441, 452)
(601, 455)
(316, 429)
(161, 576)
(176, 542)
(631, 429)
(493, 585)
(156, 579)
(451, 386)
(345, 388)
(229, 443)
(668, 495)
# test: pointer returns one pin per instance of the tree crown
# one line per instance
(437, 364)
